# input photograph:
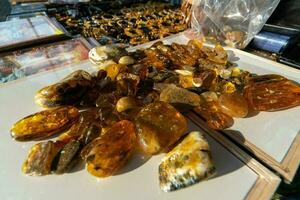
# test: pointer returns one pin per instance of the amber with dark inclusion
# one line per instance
(159, 125)
(271, 93)
(66, 92)
(105, 155)
(45, 123)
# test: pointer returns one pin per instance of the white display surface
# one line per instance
(138, 180)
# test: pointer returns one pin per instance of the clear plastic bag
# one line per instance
(231, 22)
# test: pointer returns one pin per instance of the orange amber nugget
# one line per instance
(107, 154)
(271, 93)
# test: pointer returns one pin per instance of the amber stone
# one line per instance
(213, 115)
(271, 93)
(105, 155)
(207, 78)
(67, 157)
(66, 92)
(45, 123)
(188, 163)
(179, 97)
(186, 81)
(39, 159)
(159, 125)
(113, 70)
(233, 104)
(87, 128)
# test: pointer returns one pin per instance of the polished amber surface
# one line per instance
(107, 154)
(272, 93)
(45, 123)
(233, 104)
(213, 115)
(159, 125)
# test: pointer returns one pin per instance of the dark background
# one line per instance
(4, 9)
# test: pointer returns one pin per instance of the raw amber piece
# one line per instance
(233, 104)
(107, 154)
(68, 157)
(186, 81)
(39, 159)
(188, 163)
(159, 125)
(271, 93)
(113, 70)
(86, 129)
(45, 123)
(179, 97)
(207, 78)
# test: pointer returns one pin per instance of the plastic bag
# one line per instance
(231, 22)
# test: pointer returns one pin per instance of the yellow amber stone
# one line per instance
(234, 105)
(159, 125)
(45, 123)
(113, 70)
(186, 81)
(107, 154)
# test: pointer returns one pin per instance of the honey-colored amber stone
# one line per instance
(113, 70)
(233, 104)
(159, 125)
(45, 123)
(186, 81)
(107, 154)
(271, 93)
(39, 159)
(213, 115)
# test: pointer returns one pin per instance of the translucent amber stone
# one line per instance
(213, 115)
(271, 93)
(107, 154)
(159, 125)
(113, 70)
(233, 104)
(45, 123)
(186, 81)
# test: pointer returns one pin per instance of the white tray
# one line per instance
(274, 137)
(239, 176)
